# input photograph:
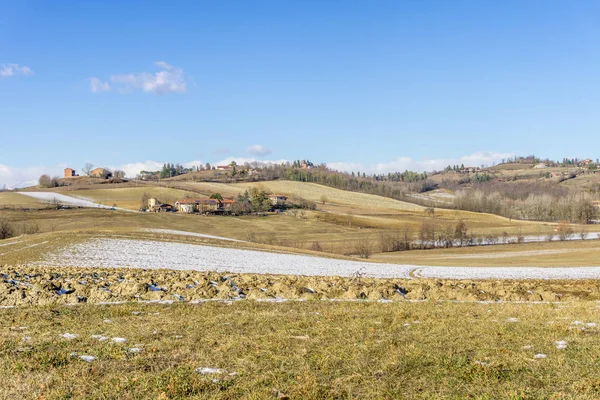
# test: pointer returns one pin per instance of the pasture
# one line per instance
(300, 350)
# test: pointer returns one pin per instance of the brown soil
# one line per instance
(43, 285)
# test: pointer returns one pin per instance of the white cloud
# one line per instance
(407, 163)
(168, 79)
(7, 70)
(97, 86)
(132, 169)
(258, 150)
(27, 176)
(252, 161)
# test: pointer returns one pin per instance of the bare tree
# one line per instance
(364, 248)
(87, 168)
(144, 201)
(118, 175)
(460, 232)
(565, 232)
(45, 181)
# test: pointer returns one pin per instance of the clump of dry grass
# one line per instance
(310, 350)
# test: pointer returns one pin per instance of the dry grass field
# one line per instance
(341, 222)
(16, 200)
(301, 350)
(546, 254)
(129, 197)
(370, 211)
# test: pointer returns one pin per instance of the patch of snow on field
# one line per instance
(11, 243)
(518, 273)
(184, 256)
(51, 197)
(184, 233)
(111, 253)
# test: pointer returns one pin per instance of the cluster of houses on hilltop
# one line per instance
(205, 206)
(95, 173)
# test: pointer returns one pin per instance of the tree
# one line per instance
(364, 248)
(460, 232)
(216, 196)
(565, 232)
(118, 175)
(259, 199)
(144, 201)
(324, 199)
(46, 182)
(87, 168)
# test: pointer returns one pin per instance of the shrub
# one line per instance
(6, 229)
(316, 246)
(27, 228)
(46, 182)
(364, 249)
(565, 232)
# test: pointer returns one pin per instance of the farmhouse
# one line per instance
(186, 206)
(162, 208)
(154, 205)
(223, 167)
(191, 205)
(69, 173)
(101, 173)
(277, 199)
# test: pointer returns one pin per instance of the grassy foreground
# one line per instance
(301, 350)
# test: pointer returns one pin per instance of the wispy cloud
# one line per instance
(97, 86)
(407, 163)
(169, 79)
(8, 70)
(258, 150)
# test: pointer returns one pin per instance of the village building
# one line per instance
(69, 173)
(101, 173)
(227, 204)
(162, 208)
(154, 205)
(305, 165)
(192, 205)
(277, 199)
(187, 206)
(467, 170)
(224, 167)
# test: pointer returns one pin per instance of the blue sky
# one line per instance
(375, 86)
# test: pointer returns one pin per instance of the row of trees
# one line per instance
(573, 207)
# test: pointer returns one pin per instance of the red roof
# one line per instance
(188, 201)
